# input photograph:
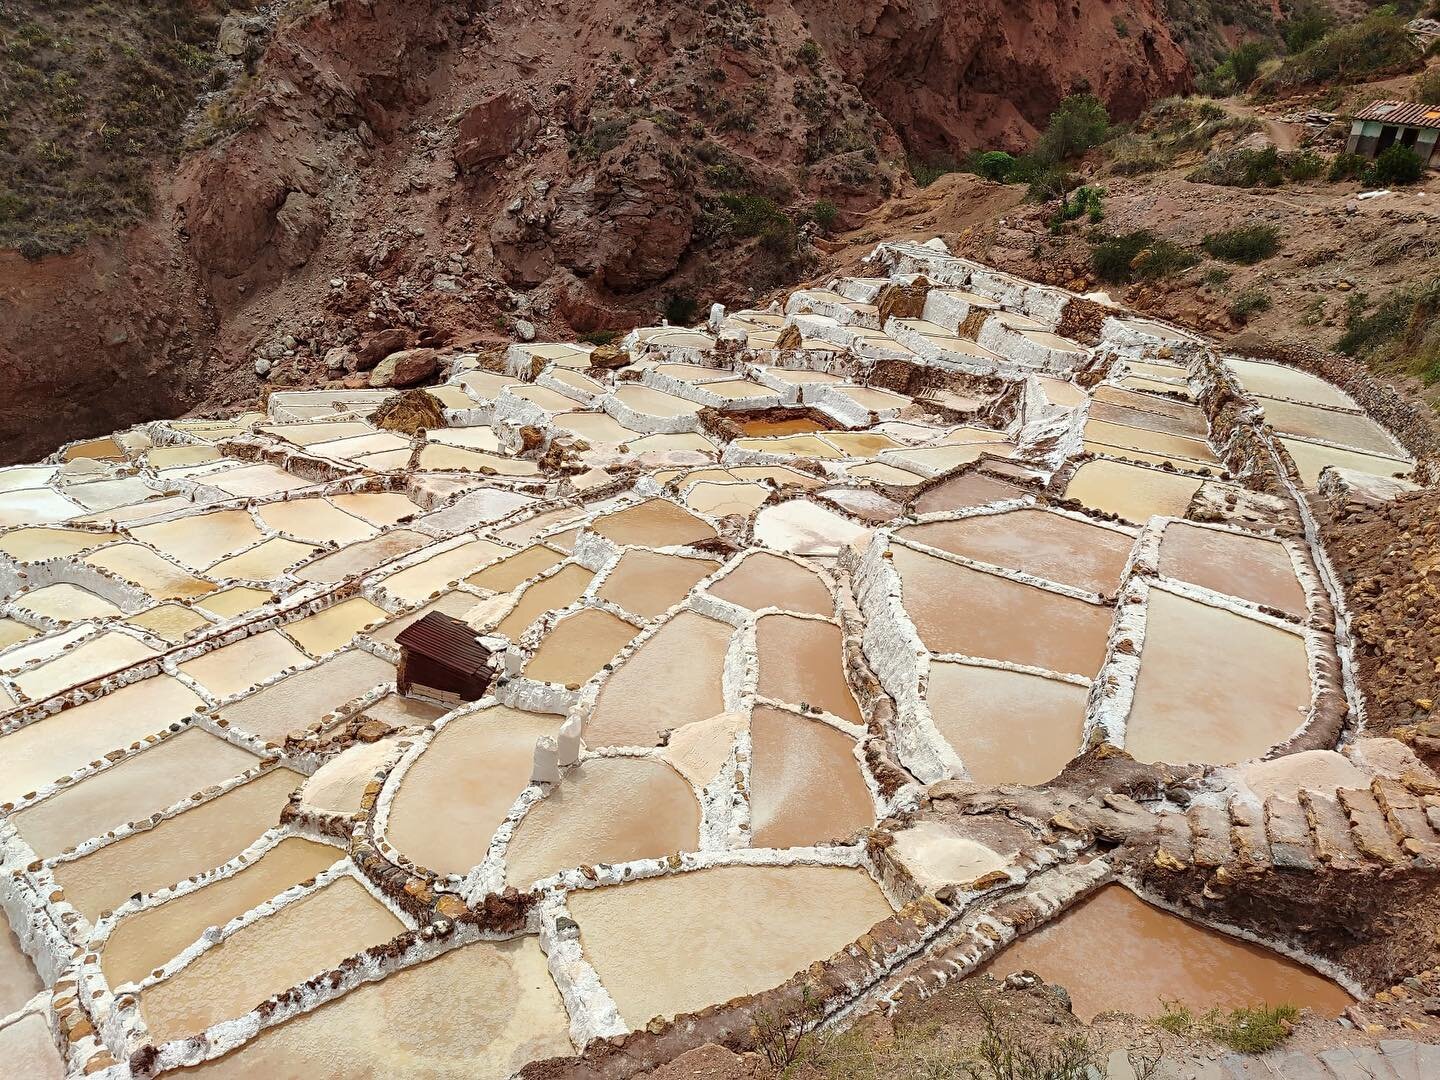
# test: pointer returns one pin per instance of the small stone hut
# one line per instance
(1383, 124)
(443, 657)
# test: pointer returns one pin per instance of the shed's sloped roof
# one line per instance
(1401, 112)
(447, 641)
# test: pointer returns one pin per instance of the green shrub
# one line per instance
(1080, 122)
(1398, 165)
(824, 213)
(1348, 167)
(1087, 203)
(1307, 25)
(1378, 44)
(1247, 245)
(1403, 332)
(1303, 166)
(1427, 87)
(680, 310)
(926, 171)
(1137, 256)
(1245, 60)
(1259, 168)
(1250, 302)
(599, 337)
(994, 165)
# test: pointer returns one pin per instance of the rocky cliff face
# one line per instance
(448, 168)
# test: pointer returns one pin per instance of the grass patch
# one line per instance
(1138, 256)
(1248, 303)
(1259, 168)
(1377, 45)
(1401, 333)
(1247, 245)
(1254, 1030)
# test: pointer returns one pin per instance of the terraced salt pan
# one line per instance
(313, 434)
(33, 544)
(18, 979)
(595, 427)
(328, 630)
(962, 493)
(363, 557)
(297, 942)
(722, 500)
(805, 446)
(500, 1011)
(1007, 727)
(1050, 546)
(144, 568)
(674, 678)
(380, 508)
(233, 668)
(1186, 421)
(28, 1048)
(43, 647)
(96, 656)
(66, 603)
(338, 785)
(1250, 567)
(1130, 492)
(748, 928)
(36, 506)
(362, 446)
(101, 495)
(299, 700)
(401, 711)
(1114, 952)
(1155, 442)
(762, 580)
(801, 662)
(1275, 381)
(237, 600)
(147, 940)
(419, 582)
(315, 520)
(654, 523)
(669, 444)
(197, 541)
(558, 591)
(175, 457)
(1150, 403)
(646, 401)
(150, 508)
(960, 610)
(801, 527)
(263, 562)
(805, 784)
(12, 633)
(171, 622)
(451, 801)
(511, 571)
(797, 426)
(606, 810)
(1214, 686)
(1354, 430)
(649, 583)
(48, 749)
(199, 839)
(131, 790)
(885, 474)
(934, 460)
(1311, 458)
(20, 477)
(254, 481)
(1155, 386)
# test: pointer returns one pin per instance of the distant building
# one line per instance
(442, 657)
(1382, 124)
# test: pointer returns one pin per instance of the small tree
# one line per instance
(1245, 60)
(1397, 165)
(824, 213)
(1078, 124)
(996, 165)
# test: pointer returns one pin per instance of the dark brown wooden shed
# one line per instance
(441, 654)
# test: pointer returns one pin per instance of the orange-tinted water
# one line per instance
(802, 662)
(805, 784)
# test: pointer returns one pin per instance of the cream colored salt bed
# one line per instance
(805, 784)
(1274, 380)
(311, 434)
(299, 700)
(1243, 565)
(1114, 952)
(400, 711)
(159, 577)
(885, 474)
(806, 446)
(19, 477)
(1131, 492)
(338, 785)
(198, 540)
(959, 610)
(607, 810)
(1050, 546)
(148, 940)
(18, 979)
(151, 508)
(649, 583)
(47, 749)
(1154, 442)
(1214, 686)
(1155, 386)
(378, 507)
(763, 580)
(254, 480)
(802, 662)
(27, 1049)
(559, 590)
(720, 500)
(420, 581)
(748, 928)
(654, 523)
(438, 456)
(33, 544)
(648, 402)
(547, 399)
(36, 506)
(366, 446)
(233, 668)
(1311, 458)
(172, 622)
(264, 561)
(96, 656)
(457, 793)
(132, 790)
(298, 942)
(199, 839)
(42, 647)
(12, 633)
(64, 603)
(595, 427)
(315, 520)
(579, 646)
(101, 495)
(363, 557)
(237, 600)
(1007, 727)
(949, 456)
(1350, 429)
(802, 527)
(674, 678)
(509, 572)
(480, 1012)
(329, 629)
(176, 457)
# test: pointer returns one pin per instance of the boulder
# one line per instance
(377, 347)
(409, 367)
(494, 129)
